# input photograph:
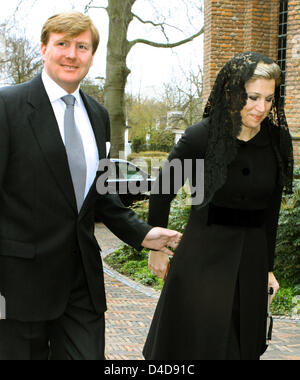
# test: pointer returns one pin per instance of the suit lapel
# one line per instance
(43, 122)
(97, 125)
(45, 127)
(100, 137)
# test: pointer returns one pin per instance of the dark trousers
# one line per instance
(77, 335)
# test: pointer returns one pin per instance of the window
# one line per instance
(282, 40)
(130, 172)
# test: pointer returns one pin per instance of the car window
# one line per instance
(130, 171)
(134, 173)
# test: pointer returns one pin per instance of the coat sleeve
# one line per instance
(120, 220)
(4, 141)
(271, 225)
(192, 146)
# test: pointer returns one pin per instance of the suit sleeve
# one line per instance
(120, 220)
(192, 146)
(4, 141)
(271, 225)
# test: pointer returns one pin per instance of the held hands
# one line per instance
(273, 283)
(160, 238)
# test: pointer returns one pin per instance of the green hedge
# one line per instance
(179, 213)
(148, 154)
(148, 161)
(287, 263)
(134, 265)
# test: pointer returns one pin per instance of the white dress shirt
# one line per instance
(55, 93)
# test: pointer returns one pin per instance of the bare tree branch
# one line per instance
(163, 45)
(93, 7)
(18, 6)
(160, 24)
(20, 3)
(90, 6)
(198, 6)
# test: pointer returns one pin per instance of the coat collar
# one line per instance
(262, 139)
(97, 124)
(44, 125)
(100, 136)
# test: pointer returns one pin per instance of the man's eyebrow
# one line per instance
(68, 39)
(62, 39)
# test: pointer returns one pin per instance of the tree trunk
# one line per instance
(117, 72)
(118, 47)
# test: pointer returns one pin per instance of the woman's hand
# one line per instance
(161, 238)
(159, 264)
(273, 283)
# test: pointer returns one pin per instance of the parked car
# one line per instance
(129, 181)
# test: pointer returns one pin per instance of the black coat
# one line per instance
(217, 256)
(40, 229)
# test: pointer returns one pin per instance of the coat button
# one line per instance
(246, 171)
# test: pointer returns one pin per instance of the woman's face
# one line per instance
(260, 97)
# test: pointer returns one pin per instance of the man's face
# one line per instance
(68, 60)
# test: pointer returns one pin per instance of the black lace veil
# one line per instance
(228, 97)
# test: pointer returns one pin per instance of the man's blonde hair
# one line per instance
(72, 24)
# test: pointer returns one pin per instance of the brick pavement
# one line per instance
(131, 307)
(127, 320)
(285, 344)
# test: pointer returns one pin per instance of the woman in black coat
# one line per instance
(214, 302)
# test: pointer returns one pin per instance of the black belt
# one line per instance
(235, 217)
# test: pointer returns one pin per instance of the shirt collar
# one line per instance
(54, 91)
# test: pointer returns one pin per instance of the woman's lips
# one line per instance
(257, 118)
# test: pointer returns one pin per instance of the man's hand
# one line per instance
(159, 239)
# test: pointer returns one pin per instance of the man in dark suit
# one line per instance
(52, 137)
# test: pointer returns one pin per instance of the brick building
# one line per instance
(271, 27)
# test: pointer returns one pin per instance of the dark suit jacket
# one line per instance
(40, 229)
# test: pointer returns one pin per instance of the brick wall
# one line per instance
(261, 26)
(236, 26)
(232, 27)
(296, 143)
(293, 74)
